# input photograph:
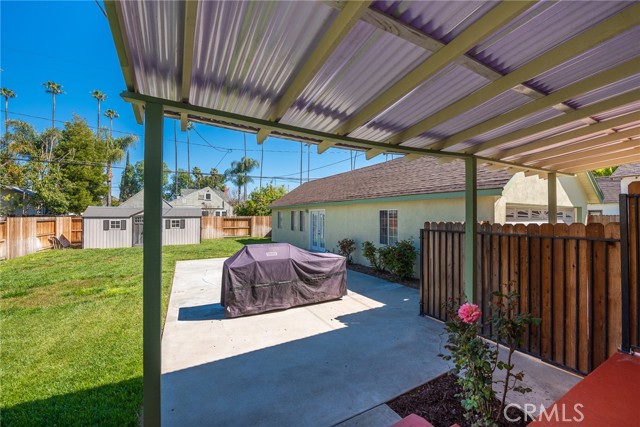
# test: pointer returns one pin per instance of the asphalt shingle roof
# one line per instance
(610, 187)
(391, 179)
(627, 170)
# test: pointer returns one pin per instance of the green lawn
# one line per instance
(71, 333)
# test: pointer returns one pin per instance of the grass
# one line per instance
(71, 333)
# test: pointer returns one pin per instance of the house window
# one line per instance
(301, 221)
(599, 212)
(388, 227)
(175, 223)
(279, 219)
(115, 225)
(293, 220)
(138, 220)
(207, 196)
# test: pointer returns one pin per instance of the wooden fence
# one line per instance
(603, 219)
(20, 236)
(630, 269)
(567, 275)
(215, 227)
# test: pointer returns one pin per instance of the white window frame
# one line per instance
(207, 196)
(175, 223)
(279, 219)
(115, 224)
(388, 238)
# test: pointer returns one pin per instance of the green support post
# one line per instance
(470, 228)
(152, 264)
(552, 195)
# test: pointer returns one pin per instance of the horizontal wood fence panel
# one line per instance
(25, 235)
(217, 227)
(567, 275)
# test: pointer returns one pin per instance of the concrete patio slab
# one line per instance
(317, 365)
(380, 416)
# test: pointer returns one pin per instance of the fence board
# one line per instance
(217, 227)
(25, 235)
(569, 276)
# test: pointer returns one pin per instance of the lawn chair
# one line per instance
(66, 243)
(55, 243)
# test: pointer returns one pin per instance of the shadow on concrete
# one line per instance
(115, 404)
(202, 312)
(373, 356)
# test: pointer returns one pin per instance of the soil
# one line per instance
(436, 402)
(412, 283)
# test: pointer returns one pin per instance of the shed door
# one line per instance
(138, 224)
(316, 231)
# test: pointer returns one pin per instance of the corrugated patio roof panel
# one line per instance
(250, 54)
(605, 92)
(355, 74)
(540, 29)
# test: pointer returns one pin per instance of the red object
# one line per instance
(609, 396)
(412, 420)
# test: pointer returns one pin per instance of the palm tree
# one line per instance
(54, 89)
(238, 173)
(99, 96)
(111, 114)
(190, 127)
(116, 149)
(7, 93)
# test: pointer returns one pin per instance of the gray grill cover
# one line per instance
(276, 276)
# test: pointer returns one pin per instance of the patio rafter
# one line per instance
(188, 41)
(601, 79)
(577, 149)
(339, 29)
(574, 116)
(597, 34)
(620, 147)
(568, 136)
(604, 161)
(483, 27)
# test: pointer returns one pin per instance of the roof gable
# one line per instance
(137, 201)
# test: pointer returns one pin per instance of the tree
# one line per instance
(260, 200)
(172, 190)
(190, 127)
(127, 181)
(7, 93)
(137, 182)
(99, 96)
(111, 114)
(604, 171)
(115, 149)
(81, 157)
(238, 173)
(54, 89)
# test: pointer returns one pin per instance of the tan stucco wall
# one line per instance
(531, 190)
(360, 221)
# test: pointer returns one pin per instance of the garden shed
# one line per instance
(122, 227)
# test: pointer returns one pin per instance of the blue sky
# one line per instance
(70, 43)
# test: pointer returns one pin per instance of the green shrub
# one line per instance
(346, 247)
(399, 258)
(370, 252)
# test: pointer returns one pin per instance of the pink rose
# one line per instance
(469, 313)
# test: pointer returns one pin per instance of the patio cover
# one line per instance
(266, 277)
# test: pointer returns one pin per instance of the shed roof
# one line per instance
(391, 179)
(539, 86)
(632, 169)
(182, 213)
(110, 212)
(610, 187)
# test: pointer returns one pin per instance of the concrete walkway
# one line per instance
(317, 365)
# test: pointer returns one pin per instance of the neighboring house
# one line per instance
(14, 201)
(391, 201)
(122, 227)
(610, 187)
(627, 174)
(213, 202)
(137, 201)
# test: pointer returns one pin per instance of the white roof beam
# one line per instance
(574, 134)
(324, 146)
(576, 149)
(485, 26)
(621, 22)
(341, 26)
(188, 41)
(600, 107)
(615, 160)
(596, 154)
(370, 154)
(262, 134)
(591, 83)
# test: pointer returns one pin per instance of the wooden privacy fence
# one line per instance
(630, 241)
(215, 227)
(25, 235)
(567, 275)
(603, 219)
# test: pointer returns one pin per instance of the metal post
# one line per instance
(152, 264)
(552, 195)
(625, 341)
(471, 228)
